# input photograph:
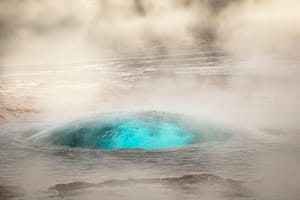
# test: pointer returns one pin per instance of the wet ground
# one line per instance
(204, 83)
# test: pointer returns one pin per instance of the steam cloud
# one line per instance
(259, 93)
(59, 34)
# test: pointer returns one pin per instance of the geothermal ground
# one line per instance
(117, 136)
(145, 99)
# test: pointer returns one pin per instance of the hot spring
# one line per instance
(145, 130)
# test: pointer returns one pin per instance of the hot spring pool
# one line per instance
(145, 130)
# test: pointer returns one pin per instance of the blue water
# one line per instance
(149, 135)
(148, 131)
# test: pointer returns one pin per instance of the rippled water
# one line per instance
(213, 169)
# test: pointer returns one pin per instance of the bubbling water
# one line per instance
(147, 130)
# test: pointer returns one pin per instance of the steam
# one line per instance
(72, 38)
(67, 38)
(51, 32)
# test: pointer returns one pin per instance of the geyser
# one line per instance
(147, 130)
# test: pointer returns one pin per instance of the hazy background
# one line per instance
(66, 39)
(44, 32)
(62, 59)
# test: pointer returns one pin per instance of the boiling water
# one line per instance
(147, 130)
(157, 153)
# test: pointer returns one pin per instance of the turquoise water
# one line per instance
(150, 135)
(148, 131)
